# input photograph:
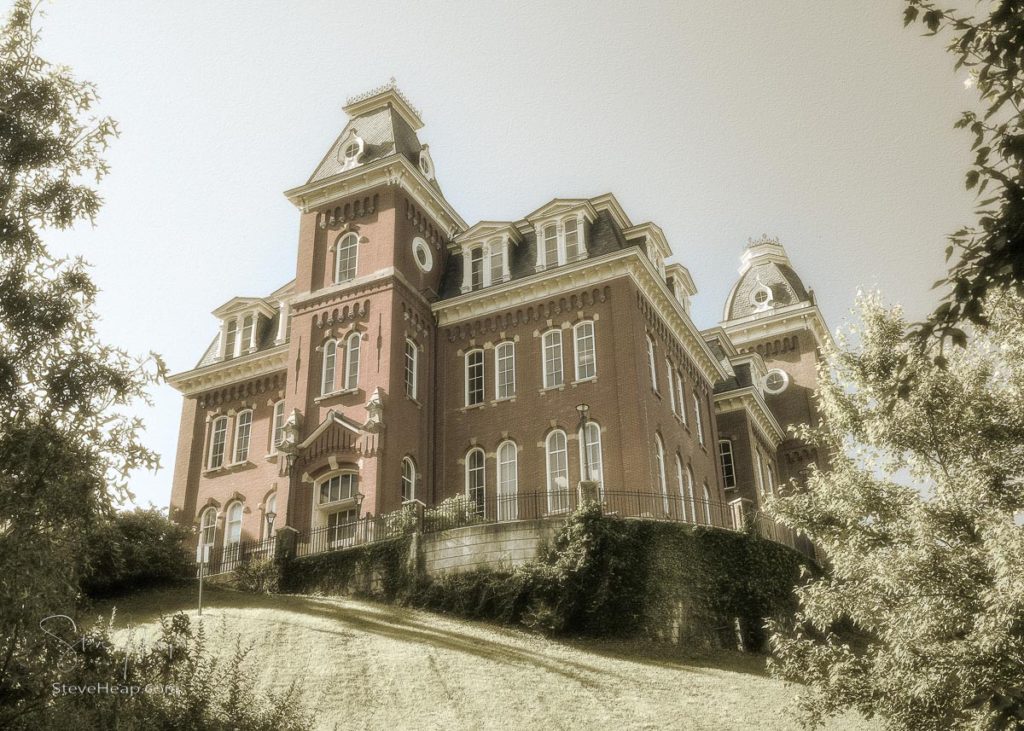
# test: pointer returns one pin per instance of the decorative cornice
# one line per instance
(395, 170)
(226, 372)
(585, 273)
(749, 399)
(381, 96)
(762, 326)
(651, 232)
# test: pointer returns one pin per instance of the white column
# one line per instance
(539, 231)
(255, 326)
(282, 322)
(223, 339)
(581, 243)
(467, 274)
(506, 243)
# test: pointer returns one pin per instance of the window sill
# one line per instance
(333, 394)
(503, 399)
(272, 457)
(343, 504)
(592, 379)
(560, 387)
(414, 401)
(228, 468)
(471, 407)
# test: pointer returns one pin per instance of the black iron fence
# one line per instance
(460, 511)
(228, 557)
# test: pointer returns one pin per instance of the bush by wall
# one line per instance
(132, 550)
(378, 570)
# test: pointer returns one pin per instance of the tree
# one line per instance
(66, 443)
(989, 254)
(919, 617)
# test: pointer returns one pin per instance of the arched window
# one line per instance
(411, 371)
(680, 392)
(682, 484)
(277, 434)
(233, 527)
(659, 458)
(352, 361)
(650, 363)
(591, 464)
(572, 239)
(269, 516)
(345, 258)
(586, 352)
(408, 479)
(505, 370)
(759, 470)
(557, 472)
(476, 268)
(208, 527)
(508, 481)
(243, 430)
(476, 480)
(327, 372)
(218, 436)
(707, 505)
(552, 352)
(669, 373)
(339, 487)
(690, 493)
(474, 377)
(728, 466)
(551, 257)
(698, 421)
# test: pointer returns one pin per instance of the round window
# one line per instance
(776, 381)
(421, 253)
(351, 150)
(760, 297)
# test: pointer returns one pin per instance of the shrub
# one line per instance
(453, 512)
(132, 550)
(259, 577)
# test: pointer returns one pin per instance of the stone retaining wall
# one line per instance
(491, 545)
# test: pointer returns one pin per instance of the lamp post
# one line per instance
(584, 410)
(271, 517)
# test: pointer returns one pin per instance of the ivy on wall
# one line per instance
(378, 570)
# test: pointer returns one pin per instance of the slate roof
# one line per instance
(266, 334)
(603, 236)
(785, 285)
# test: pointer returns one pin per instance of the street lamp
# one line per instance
(271, 517)
(584, 410)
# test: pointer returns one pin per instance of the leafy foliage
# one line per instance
(66, 445)
(174, 683)
(920, 618)
(259, 577)
(134, 550)
(990, 254)
(379, 570)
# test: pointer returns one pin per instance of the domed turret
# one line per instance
(767, 282)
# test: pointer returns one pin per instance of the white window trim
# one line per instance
(483, 480)
(508, 508)
(276, 429)
(552, 489)
(510, 344)
(562, 258)
(487, 250)
(411, 385)
(544, 358)
(576, 349)
(698, 422)
(681, 393)
(600, 457)
(325, 387)
(659, 458)
(352, 342)
(211, 526)
(682, 483)
(228, 540)
(483, 377)
(707, 504)
(235, 459)
(337, 257)
(651, 362)
(324, 508)
(671, 386)
(407, 460)
(224, 450)
(732, 461)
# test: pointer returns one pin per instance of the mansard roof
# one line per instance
(765, 267)
(266, 333)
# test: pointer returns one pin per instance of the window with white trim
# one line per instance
(476, 481)
(233, 525)
(690, 493)
(759, 469)
(342, 486)
(231, 338)
(591, 463)
(497, 261)
(277, 433)
(352, 360)
(659, 458)
(208, 527)
(408, 479)
(771, 478)
(551, 248)
(650, 362)
(330, 360)
(345, 257)
(243, 430)
(484, 264)
(552, 353)
(698, 421)
(476, 268)
(247, 333)
(341, 526)
(671, 386)
(681, 397)
(707, 504)
(218, 438)
(557, 460)
(474, 377)
(560, 242)
(508, 480)
(682, 484)
(411, 371)
(585, 350)
(572, 239)
(505, 370)
(728, 465)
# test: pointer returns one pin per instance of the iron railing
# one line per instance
(359, 532)
(228, 557)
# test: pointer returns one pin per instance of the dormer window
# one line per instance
(484, 264)
(350, 150)
(762, 297)
(560, 242)
(231, 339)
(426, 165)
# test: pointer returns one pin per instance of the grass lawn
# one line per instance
(362, 665)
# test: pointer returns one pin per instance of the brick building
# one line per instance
(416, 357)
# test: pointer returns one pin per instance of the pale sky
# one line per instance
(825, 124)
